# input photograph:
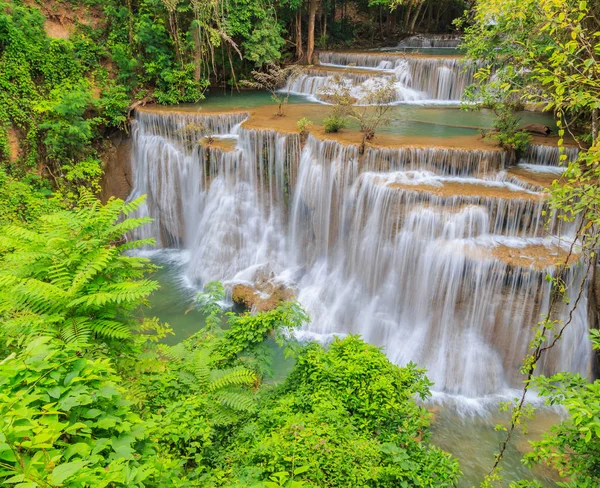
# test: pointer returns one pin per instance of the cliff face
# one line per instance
(116, 157)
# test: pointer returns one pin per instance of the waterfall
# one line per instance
(416, 78)
(542, 154)
(450, 161)
(432, 41)
(431, 253)
(313, 82)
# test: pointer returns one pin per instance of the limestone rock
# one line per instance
(265, 294)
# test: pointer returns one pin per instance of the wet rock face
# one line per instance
(117, 179)
(265, 294)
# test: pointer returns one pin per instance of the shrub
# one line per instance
(345, 416)
(304, 125)
(65, 422)
(334, 123)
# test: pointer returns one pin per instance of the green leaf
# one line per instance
(64, 471)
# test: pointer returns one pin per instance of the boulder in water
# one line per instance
(265, 294)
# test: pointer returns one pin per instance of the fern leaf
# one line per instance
(225, 378)
(240, 402)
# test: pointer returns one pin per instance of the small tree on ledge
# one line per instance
(273, 79)
(369, 107)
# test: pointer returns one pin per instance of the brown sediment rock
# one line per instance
(265, 118)
(534, 178)
(552, 140)
(264, 295)
(117, 179)
(536, 256)
(337, 70)
(226, 144)
(386, 140)
(61, 19)
(457, 188)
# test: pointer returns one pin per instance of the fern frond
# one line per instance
(76, 330)
(90, 267)
(173, 353)
(110, 329)
(130, 207)
(129, 245)
(240, 402)
(222, 417)
(201, 363)
(224, 378)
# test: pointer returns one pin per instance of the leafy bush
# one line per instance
(304, 125)
(572, 447)
(65, 422)
(25, 201)
(334, 123)
(349, 417)
(506, 132)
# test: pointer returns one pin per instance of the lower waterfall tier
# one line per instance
(439, 255)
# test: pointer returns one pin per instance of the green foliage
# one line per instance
(334, 123)
(244, 335)
(69, 278)
(66, 129)
(304, 125)
(347, 417)
(196, 397)
(506, 132)
(64, 421)
(24, 201)
(46, 95)
(265, 43)
(572, 447)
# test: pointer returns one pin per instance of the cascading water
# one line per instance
(432, 41)
(541, 154)
(425, 252)
(416, 78)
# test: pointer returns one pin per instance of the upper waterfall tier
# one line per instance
(432, 41)
(433, 253)
(416, 78)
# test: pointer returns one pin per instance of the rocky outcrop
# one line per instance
(116, 157)
(266, 293)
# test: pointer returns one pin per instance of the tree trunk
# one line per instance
(414, 20)
(325, 9)
(197, 52)
(407, 17)
(299, 48)
(310, 46)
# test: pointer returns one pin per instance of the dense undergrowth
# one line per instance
(88, 397)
